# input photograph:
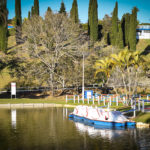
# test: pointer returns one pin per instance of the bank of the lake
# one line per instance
(61, 102)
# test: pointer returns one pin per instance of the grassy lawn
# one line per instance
(60, 100)
(25, 100)
(143, 44)
(142, 117)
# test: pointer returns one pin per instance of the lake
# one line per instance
(50, 129)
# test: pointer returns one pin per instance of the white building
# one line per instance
(143, 32)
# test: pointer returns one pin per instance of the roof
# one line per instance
(142, 29)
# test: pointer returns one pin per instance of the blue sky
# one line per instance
(104, 7)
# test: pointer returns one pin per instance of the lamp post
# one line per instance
(83, 88)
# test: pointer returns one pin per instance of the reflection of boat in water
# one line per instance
(101, 117)
(94, 131)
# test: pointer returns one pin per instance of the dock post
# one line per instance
(117, 101)
(139, 106)
(98, 100)
(131, 102)
(93, 100)
(104, 100)
(110, 100)
(134, 107)
(147, 98)
(66, 98)
(143, 107)
(74, 98)
(78, 99)
(124, 100)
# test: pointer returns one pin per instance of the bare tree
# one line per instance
(52, 49)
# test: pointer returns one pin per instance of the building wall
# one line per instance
(143, 35)
(143, 32)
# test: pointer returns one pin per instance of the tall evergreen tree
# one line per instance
(93, 20)
(89, 19)
(3, 25)
(133, 26)
(36, 7)
(32, 11)
(125, 23)
(29, 15)
(123, 28)
(119, 41)
(74, 12)
(62, 8)
(127, 28)
(114, 30)
(18, 20)
(18, 12)
(49, 9)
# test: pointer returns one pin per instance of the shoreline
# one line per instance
(34, 105)
(139, 124)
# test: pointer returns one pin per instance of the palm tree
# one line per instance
(105, 66)
(129, 65)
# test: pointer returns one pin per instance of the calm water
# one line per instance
(50, 129)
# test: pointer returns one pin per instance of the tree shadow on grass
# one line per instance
(146, 50)
(31, 95)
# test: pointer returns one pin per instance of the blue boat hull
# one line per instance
(112, 124)
(130, 123)
(99, 123)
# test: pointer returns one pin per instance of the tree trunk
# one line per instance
(52, 86)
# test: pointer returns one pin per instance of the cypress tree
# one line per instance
(49, 9)
(36, 7)
(29, 15)
(62, 8)
(74, 12)
(93, 20)
(3, 25)
(89, 12)
(127, 28)
(133, 26)
(18, 12)
(32, 11)
(114, 30)
(123, 28)
(125, 23)
(119, 41)
(18, 20)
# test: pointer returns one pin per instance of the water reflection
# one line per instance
(94, 130)
(65, 112)
(13, 118)
(50, 129)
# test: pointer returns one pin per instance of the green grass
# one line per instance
(142, 117)
(27, 101)
(58, 100)
(11, 42)
(143, 44)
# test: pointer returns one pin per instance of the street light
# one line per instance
(83, 88)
